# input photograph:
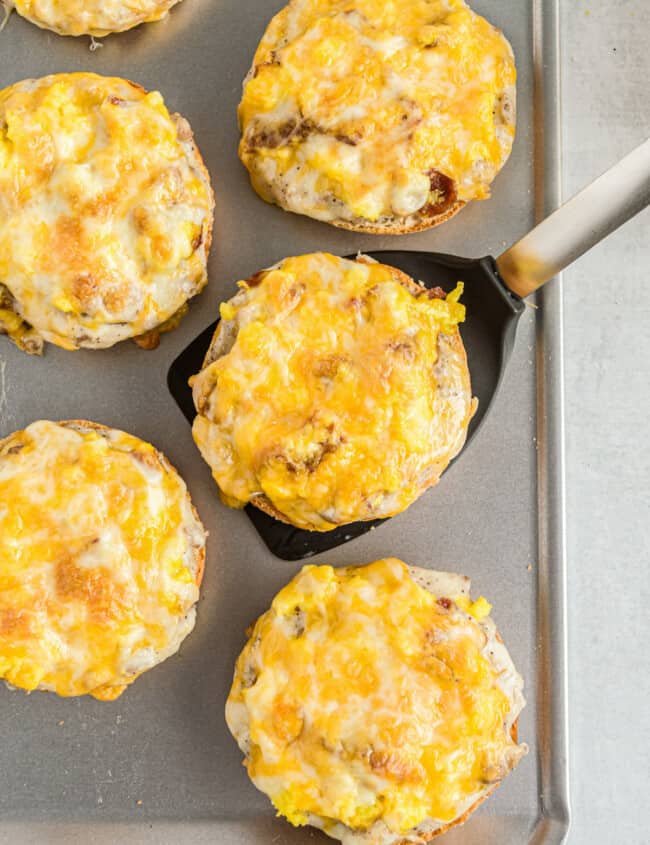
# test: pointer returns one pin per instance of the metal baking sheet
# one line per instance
(158, 765)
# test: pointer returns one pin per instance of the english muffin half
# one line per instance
(105, 213)
(91, 17)
(376, 702)
(333, 391)
(378, 117)
(101, 558)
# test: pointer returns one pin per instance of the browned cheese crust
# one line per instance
(220, 345)
(159, 459)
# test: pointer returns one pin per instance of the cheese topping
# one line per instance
(354, 108)
(363, 699)
(343, 397)
(92, 17)
(104, 210)
(100, 559)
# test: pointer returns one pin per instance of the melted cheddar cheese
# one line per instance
(92, 17)
(100, 559)
(343, 397)
(363, 699)
(104, 209)
(352, 106)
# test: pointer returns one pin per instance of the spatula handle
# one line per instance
(583, 221)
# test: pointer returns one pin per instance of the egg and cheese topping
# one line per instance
(104, 210)
(361, 698)
(373, 110)
(92, 17)
(100, 559)
(343, 396)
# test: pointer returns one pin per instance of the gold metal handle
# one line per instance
(582, 222)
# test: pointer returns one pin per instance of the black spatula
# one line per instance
(494, 291)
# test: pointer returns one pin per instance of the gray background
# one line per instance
(606, 111)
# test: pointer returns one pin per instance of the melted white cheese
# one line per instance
(92, 17)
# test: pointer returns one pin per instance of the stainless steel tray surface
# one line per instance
(158, 765)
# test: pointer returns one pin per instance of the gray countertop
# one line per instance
(606, 112)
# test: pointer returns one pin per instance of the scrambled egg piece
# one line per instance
(105, 209)
(101, 556)
(92, 17)
(366, 110)
(361, 697)
(343, 397)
